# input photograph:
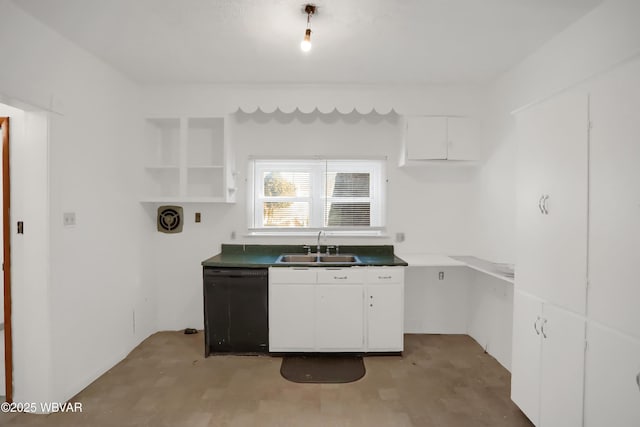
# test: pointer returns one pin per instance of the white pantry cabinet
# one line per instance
(547, 362)
(552, 200)
(612, 379)
(326, 309)
(555, 254)
(440, 138)
(614, 201)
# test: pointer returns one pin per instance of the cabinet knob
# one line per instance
(638, 380)
(535, 325)
(371, 305)
(371, 296)
(544, 322)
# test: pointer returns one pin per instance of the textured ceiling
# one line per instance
(354, 41)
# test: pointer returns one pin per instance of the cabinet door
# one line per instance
(552, 232)
(426, 138)
(217, 319)
(383, 303)
(339, 317)
(561, 389)
(291, 317)
(462, 135)
(526, 355)
(612, 379)
(614, 200)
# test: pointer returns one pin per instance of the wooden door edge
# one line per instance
(6, 227)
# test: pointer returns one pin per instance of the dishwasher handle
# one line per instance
(236, 273)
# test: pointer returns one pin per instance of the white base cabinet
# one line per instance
(339, 317)
(317, 309)
(295, 335)
(547, 362)
(384, 302)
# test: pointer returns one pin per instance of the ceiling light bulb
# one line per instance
(305, 45)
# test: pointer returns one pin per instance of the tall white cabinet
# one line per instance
(576, 342)
(552, 201)
(612, 375)
(551, 276)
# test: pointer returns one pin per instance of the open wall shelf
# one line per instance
(188, 160)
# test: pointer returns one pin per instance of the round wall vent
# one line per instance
(170, 219)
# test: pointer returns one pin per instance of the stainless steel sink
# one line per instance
(314, 259)
(293, 258)
(339, 258)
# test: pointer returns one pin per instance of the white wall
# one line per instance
(430, 205)
(490, 315)
(75, 289)
(604, 38)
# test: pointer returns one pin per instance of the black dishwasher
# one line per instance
(236, 318)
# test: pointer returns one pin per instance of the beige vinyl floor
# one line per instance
(441, 380)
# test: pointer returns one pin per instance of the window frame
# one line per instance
(318, 167)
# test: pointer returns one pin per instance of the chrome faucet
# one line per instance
(318, 243)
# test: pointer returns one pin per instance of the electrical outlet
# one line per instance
(198, 217)
(69, 219)
(441, 275)
(399, 237)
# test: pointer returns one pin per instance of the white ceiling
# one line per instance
(354, 41)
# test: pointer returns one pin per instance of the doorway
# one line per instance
(5, 330)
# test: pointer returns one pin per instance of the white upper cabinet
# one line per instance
(552, 200)
(462, 139)
(439, 138)
(426, 138)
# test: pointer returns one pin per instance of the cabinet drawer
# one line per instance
(340, 275)
(292, 275)
(385, 275)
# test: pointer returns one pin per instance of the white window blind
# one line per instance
(317, 194)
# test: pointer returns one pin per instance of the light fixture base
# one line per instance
(309, 9)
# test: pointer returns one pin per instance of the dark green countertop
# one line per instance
(262, 256)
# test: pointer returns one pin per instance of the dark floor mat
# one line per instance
(322, 369)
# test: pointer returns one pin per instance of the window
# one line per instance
(298, 195)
